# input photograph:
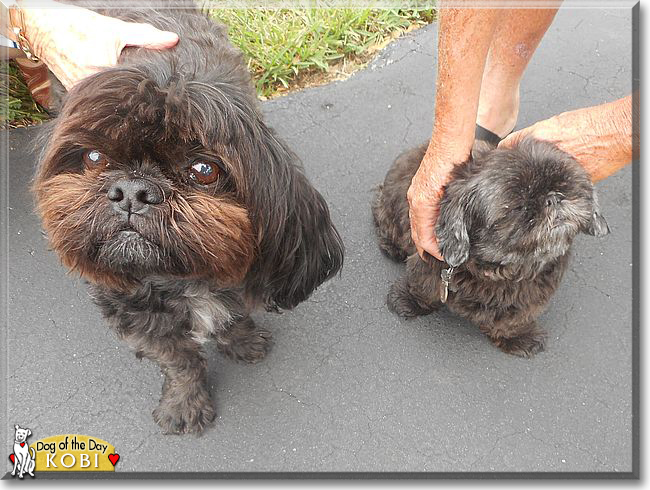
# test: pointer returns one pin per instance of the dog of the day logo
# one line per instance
(66, 452)
(23, 456)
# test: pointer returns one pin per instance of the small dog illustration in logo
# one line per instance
(22, 457)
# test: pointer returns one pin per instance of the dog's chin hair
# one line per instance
(130, 253)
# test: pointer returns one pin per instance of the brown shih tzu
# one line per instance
(507, 221)
(163, 187)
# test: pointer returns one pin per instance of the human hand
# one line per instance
(599, 137)
(75, 42)
(424, 194)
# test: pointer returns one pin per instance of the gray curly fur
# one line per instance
(507, 221)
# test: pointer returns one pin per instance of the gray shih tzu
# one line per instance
(507, 220)
(162, 186)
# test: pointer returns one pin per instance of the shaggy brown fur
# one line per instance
(507, 221)
(174, 260)
(212, 235)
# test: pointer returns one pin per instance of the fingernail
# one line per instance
(169, 36)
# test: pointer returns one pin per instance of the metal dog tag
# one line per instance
(445, 277)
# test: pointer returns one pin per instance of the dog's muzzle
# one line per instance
(134, 195)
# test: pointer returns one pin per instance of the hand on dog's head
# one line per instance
(519, 208)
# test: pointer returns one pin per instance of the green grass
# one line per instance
(18, 107)
(282, 47)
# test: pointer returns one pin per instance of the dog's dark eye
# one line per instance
(94, 159)
(204, 172)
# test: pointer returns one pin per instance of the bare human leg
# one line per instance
(516, 36)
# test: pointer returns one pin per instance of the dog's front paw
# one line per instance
(526, 345)
(178, 415)
(401, 302)
(251, 348)
(245, 342)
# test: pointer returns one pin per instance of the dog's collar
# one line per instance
(445, 278)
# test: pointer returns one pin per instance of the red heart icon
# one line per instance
(114, 458)
(12, 457)
(22, 444)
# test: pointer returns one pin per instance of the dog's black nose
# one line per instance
(134, 195)
(553, 199)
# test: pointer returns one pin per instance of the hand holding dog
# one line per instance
(75, 42)
(600, 138)
(424, 194)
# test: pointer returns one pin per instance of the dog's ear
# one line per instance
(299, 247)
(17, 427)
(597, 226)
(452, 226)
(29, 432)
